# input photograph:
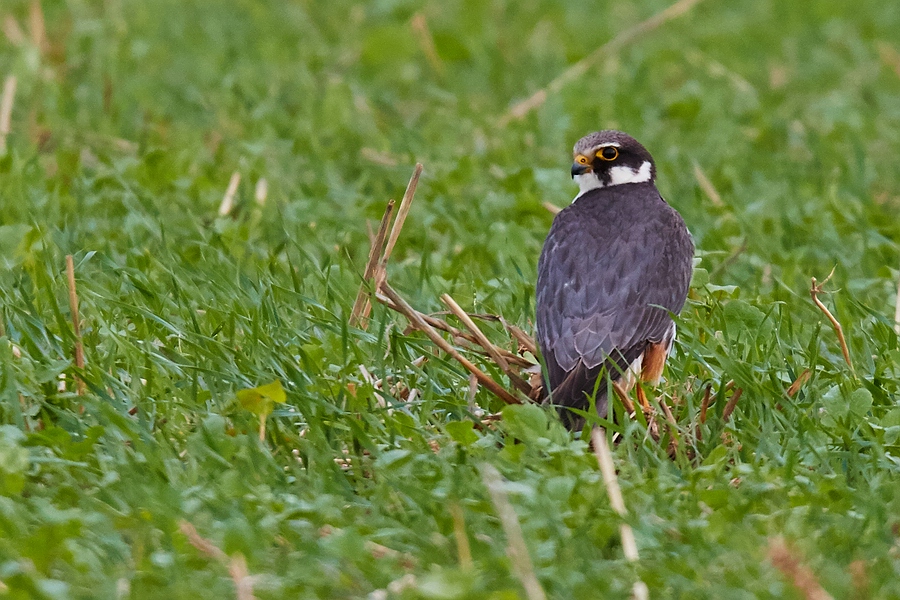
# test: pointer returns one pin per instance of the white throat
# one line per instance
(617, 176)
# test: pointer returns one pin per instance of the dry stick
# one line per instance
(516, 549)
(580, 68)
(608, 469)
(6, 106)
(405, 204)
(732, 403)
(814, 291)
(76, 326)
(462, 540)
(435, 337)
(371, 265)
(514, 378)
(792, 567)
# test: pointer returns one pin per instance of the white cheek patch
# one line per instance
(617, 176)
(620, 175)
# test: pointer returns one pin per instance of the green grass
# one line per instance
(126, 128)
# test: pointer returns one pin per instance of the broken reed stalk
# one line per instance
(521, 109)
(416, 319)
(791, 565)
(614, 492)
(371, 265)
(814, 291)
(76, 321)
(492, 350)
(6, 106)
(897, 309)
(516, 549)
(405, 205)
(381, 270)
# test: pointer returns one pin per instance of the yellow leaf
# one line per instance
(261, 400)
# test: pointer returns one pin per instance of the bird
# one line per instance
(614, 268)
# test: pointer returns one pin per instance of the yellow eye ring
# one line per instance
(608, 153)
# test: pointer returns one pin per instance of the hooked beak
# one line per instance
(579, 169)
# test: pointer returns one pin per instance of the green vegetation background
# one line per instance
(128, 122)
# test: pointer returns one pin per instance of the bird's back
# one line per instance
(615, 264)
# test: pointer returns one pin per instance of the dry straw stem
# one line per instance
(228, 199)
(516, 549)
(889, 56)
(814, 291)
(492, 350)
(897, 309)
(426, 41)
(608, 469)
(706, 185)
(552, 208)
(537, 99)
(798, 383)
(6, 106)
(76, 320)
(461, 337)
(416, 319)
(459, 533)
(37, 26)
(790, 563)
(261, 192)
(237, 565)
(523, 338)
(371, 265)
(13, 31)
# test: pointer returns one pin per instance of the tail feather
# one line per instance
(579, 386)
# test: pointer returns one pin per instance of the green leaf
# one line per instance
(261, 400)
(525, 421)
(462, 432)
(859, 403)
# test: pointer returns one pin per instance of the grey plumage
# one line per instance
(614, 266)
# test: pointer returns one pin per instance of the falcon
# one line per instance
(615, 267)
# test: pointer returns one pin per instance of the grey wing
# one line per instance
(601, 298)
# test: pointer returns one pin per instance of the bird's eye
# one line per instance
(608, 153)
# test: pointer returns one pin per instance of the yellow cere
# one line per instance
(581, 159)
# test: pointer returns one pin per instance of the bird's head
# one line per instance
(608, 158)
